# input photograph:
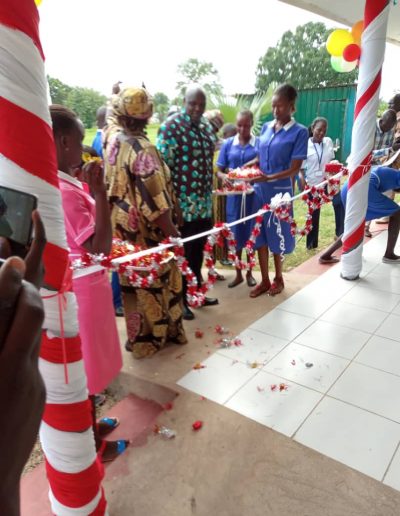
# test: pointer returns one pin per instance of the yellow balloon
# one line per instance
(357, 30)
(338, 41)
(38, 2)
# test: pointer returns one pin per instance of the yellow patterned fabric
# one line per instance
(133, 102)
(139, 186)
(140, 190)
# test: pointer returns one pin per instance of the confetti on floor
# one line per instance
(198, 366)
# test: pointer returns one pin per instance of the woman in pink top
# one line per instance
(88, 227)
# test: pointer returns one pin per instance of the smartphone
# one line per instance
(16, 215)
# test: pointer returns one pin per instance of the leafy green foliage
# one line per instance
(84, 101)
(259, 104)
(161, 105)
(199, 72)
(383, 105)
(300, 58)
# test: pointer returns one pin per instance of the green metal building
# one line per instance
(337, 105)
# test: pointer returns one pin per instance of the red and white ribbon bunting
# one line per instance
(373, 51)
(28, 163)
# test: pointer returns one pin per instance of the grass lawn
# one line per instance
(89, 135)
(300, 254)
(326, 234)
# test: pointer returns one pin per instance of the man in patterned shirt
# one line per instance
(186, 142)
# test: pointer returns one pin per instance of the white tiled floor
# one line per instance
(258, 347)
(284, 411)
(354, 316)
(334, 339)
(346, 404)
(390, 328)
(282, 324)
(322, 371)
(348, 434)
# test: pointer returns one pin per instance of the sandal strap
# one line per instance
(122, 445)
(276, 287)
(259, 289)
(109, 421)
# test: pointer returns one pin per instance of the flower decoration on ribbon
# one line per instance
(279, 199)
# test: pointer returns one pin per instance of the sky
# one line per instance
(94, 43)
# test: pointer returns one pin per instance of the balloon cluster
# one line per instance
(344, 46)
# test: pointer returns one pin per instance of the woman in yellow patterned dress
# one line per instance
(144, 211)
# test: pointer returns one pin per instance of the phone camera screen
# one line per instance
(16, 215)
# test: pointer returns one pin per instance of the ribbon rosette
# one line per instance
(279, 199)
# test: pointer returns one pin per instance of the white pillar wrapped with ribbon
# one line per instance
(28, 163)
(373, 51)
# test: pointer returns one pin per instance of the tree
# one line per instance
(259, 104)
(58, 91)
(383, 105)
(84, 101)
(301, 59)
(199, 72)
(161, 105)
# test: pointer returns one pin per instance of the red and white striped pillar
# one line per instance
(369, 82)
(28, 163)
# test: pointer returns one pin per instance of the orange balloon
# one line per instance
(357, 30)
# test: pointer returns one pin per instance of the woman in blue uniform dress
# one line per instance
(236, 152)
(382, 179)
(282, 149)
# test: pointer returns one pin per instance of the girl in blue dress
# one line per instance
(236, 152)
(282, 149)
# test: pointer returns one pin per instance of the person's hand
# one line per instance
(265, 178)
(94, 177)
(116, 88)
(33, 260)
(21, 386)
(224, 179)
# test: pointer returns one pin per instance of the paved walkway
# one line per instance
(236, 465)
(335, 348)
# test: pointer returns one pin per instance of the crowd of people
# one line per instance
(145, 193)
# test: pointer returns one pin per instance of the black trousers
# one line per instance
(312, 237)
(194, 249)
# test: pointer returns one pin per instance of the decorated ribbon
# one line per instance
(279, 209)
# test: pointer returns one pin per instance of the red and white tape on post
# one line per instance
(369, 83)
(28, 163)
